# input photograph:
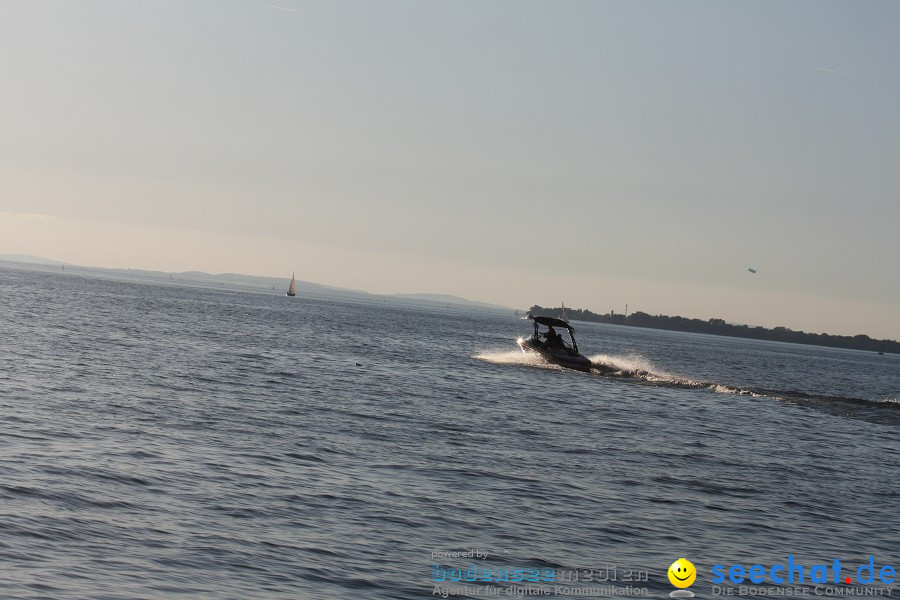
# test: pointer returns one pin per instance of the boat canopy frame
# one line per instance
(552, 322)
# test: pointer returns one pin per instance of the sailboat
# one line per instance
(292, 289)
(564, 316)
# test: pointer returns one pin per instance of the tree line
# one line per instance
(720, 327)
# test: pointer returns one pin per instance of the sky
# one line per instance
(597, 153)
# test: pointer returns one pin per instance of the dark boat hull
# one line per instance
(559, 356)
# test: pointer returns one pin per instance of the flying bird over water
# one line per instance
(752, 270)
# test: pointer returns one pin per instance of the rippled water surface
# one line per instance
(161, 441)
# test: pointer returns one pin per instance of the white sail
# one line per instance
(292, 289)
(565, 317)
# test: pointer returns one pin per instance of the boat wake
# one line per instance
(631, 365)
(638, 369)
(517, 357)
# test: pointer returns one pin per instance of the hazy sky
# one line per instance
(597, 153)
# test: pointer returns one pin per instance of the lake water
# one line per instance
(165, 441)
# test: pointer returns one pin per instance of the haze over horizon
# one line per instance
(593, 153)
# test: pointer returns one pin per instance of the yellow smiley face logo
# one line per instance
(682, 573)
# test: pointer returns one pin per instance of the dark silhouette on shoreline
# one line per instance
(720, 327)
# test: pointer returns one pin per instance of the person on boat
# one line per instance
(554, 340)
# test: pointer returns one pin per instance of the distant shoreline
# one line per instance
(256, 282)
(720, 327)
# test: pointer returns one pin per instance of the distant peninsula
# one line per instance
(720, 327)
(260, 283)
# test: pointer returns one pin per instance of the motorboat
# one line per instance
(551, 345)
